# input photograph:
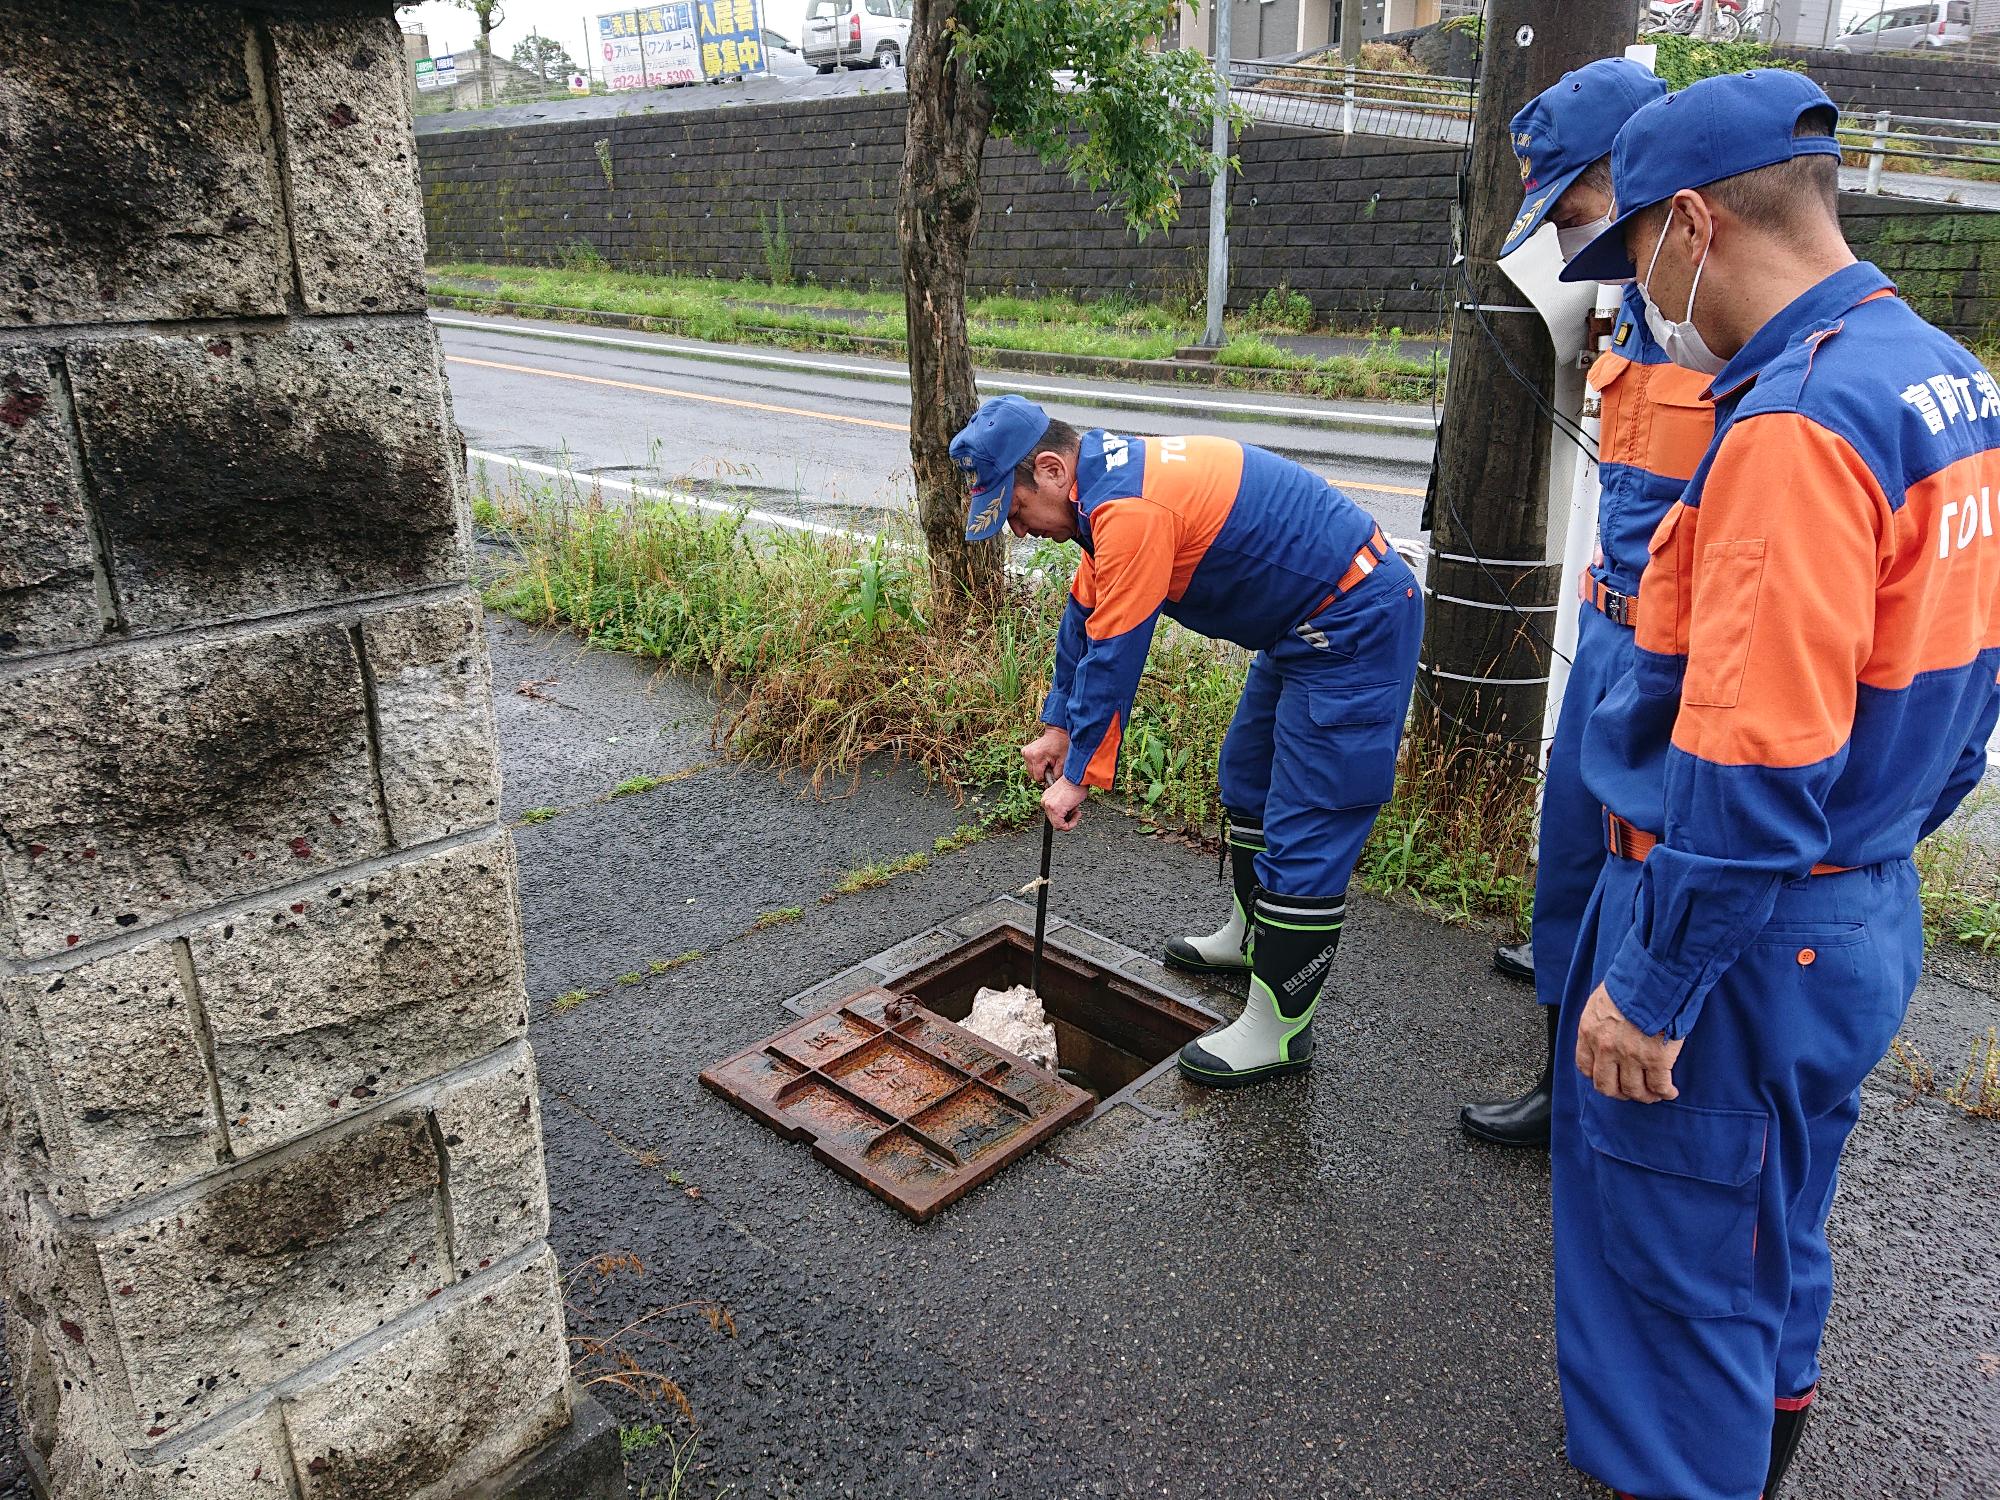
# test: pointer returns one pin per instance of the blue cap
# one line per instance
(1001, 433)
(1717, 128)
(1563, 129)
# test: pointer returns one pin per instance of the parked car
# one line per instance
(856, 33)
(1935, 23)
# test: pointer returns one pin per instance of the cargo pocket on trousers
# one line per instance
(1677, 1200)
(1359, 730)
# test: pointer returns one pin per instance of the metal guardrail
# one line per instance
(1349, 100)
(1346, 101)
(1922, 144)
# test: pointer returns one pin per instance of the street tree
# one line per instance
(1082, 85)
(544, 57)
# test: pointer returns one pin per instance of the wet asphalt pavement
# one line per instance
(1312, 1289)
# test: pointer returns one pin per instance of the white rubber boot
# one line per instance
(1222, 951)
(1292, 943)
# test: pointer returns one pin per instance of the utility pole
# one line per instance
(1485, 666)
(1218, 187)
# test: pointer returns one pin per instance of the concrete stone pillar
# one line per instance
(273, 1197)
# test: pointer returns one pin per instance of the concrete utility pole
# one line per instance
(1218, 187)
(1485, 665)
(1350, 59)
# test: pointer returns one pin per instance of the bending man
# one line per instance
(1239, 544)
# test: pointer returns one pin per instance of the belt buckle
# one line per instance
(1617, 607)
(1614, 835)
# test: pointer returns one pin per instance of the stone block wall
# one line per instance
(1945, 261)
(272, 1204)
(1361, 226)
(1910, 83)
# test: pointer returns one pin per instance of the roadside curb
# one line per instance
(1146, 371)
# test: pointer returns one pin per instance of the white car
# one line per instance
(856, 33)
(1903, 28)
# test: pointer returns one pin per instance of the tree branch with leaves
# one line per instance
(1079, 83)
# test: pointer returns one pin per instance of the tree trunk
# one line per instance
(938, 212)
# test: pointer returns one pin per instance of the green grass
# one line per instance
(633, 786)
(876, 873)
(823, 656)
(778, 918)
(813, 683)
(1115, 327)
(1960, 888)
(668, 965)
(540, 814)
(568, 1001)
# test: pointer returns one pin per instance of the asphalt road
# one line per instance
(823, 438)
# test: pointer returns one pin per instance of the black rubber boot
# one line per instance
(1787, 1427)
(1516, 961)
(1523, 1121)
(1292, 943)
(1223, 951)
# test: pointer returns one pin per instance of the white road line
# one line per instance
(585, 479)
(1123, 400)
(1411, 550)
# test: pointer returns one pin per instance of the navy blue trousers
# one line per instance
(1692, 1271)
(1311, 751)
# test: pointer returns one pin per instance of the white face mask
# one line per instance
(1682, 341)
(1571, 240)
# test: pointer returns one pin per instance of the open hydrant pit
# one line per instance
(891, 1093)
(1112, 1031)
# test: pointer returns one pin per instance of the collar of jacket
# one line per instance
(1817, 308)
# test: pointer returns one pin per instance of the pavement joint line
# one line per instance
(931, 856)
(1336, 417)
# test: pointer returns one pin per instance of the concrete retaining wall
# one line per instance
(1362, 226)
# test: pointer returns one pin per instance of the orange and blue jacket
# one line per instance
(1229, 540)
(1656, 425)
(1818, 652)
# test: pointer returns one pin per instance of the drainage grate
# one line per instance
(894, 1096)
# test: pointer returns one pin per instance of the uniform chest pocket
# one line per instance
(1653, 418)
(1679, 423)
(1677, 1190)
(1725, 612)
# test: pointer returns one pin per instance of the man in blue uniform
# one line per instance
(1240, 544)
(1654, 429)
(1816, 673)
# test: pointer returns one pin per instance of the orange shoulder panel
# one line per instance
(1135, 541)
(1197, 479)
(1781, 615)
(1939, 598)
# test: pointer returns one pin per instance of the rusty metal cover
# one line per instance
(913, 1108)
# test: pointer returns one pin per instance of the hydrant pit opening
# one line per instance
(1111, 1029)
